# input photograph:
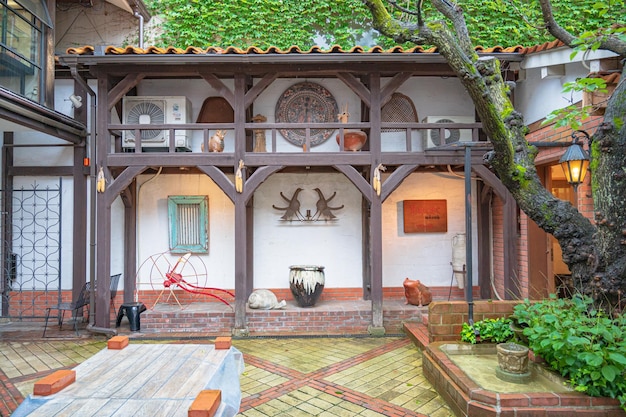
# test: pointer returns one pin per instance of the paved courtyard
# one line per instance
(306, 376)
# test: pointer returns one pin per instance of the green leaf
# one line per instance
(617, 357)
(609, 372)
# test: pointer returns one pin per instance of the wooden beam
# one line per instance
(492, 180)
(129, 198)
(220, 179)
(55, 171)
(257, 178)
(123, 180)
(259, 87)
(376, 228)
(356, 86)
(222, 89)
(102, 294)
(357, 179)
(512, 283)
(121, 88)
(394, 180)
(393, 85)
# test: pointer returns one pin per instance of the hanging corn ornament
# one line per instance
(239, 177)
(100, 182)
(376, 183)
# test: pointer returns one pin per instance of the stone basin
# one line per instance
(478, 393)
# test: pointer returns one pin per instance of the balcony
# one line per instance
(398, 143)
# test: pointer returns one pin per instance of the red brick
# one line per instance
(118, 342)
(223, 342)
(205, 404)
(54, 382)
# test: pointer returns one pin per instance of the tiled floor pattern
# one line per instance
(24, 362)
(358, 376)
(336, 377)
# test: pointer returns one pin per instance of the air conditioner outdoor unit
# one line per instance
(451, 135)
(156, 110)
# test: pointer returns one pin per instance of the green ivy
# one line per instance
(583, 344)
(245, 23)
(305, 23)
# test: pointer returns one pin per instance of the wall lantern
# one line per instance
(575, 160)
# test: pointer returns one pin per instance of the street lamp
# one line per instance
(575, 160)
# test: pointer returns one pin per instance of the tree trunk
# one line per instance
(596, 256)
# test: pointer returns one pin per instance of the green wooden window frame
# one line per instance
(189, 223)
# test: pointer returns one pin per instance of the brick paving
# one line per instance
(302, 376)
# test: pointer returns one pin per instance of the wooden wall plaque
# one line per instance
(425, 216)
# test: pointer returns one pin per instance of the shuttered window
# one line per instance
(189, 223)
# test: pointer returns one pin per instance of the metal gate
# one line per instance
(31, 250)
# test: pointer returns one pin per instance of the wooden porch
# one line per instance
(249, 75)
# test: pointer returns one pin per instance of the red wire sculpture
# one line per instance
(175, 279)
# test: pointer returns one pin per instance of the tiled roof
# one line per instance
(608, 77)
(543, 47)
(253, 50)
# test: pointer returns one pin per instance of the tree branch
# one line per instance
(609, 43)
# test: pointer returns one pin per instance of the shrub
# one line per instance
(583, 344)
(488, 330)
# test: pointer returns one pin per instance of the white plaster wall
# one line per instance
(424, 256)
(278, 244)
(534, 105)
(535, 97)
(153, 229)
(336, 245)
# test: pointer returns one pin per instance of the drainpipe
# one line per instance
(140, 17)
(92, 224)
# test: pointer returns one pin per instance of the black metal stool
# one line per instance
(132, 312)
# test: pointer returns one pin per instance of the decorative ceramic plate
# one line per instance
(306, 102)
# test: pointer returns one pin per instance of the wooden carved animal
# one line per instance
(417, 293)
(293, 209)
(324, 211)
(344, 115)
(216, 142)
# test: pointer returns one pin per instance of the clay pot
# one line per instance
(353, 140)
(306, 283)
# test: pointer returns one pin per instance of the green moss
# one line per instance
(435, 26)
(508, 107)
(594, 163)
(547, 214)
(519, 175)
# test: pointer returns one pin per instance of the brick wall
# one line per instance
(546, 156)
(446, 318)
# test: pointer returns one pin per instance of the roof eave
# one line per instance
(316, 58)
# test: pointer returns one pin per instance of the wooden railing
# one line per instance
(414, 139)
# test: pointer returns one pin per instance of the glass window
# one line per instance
(21, 50)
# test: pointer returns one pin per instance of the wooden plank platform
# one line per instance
(145, 380)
